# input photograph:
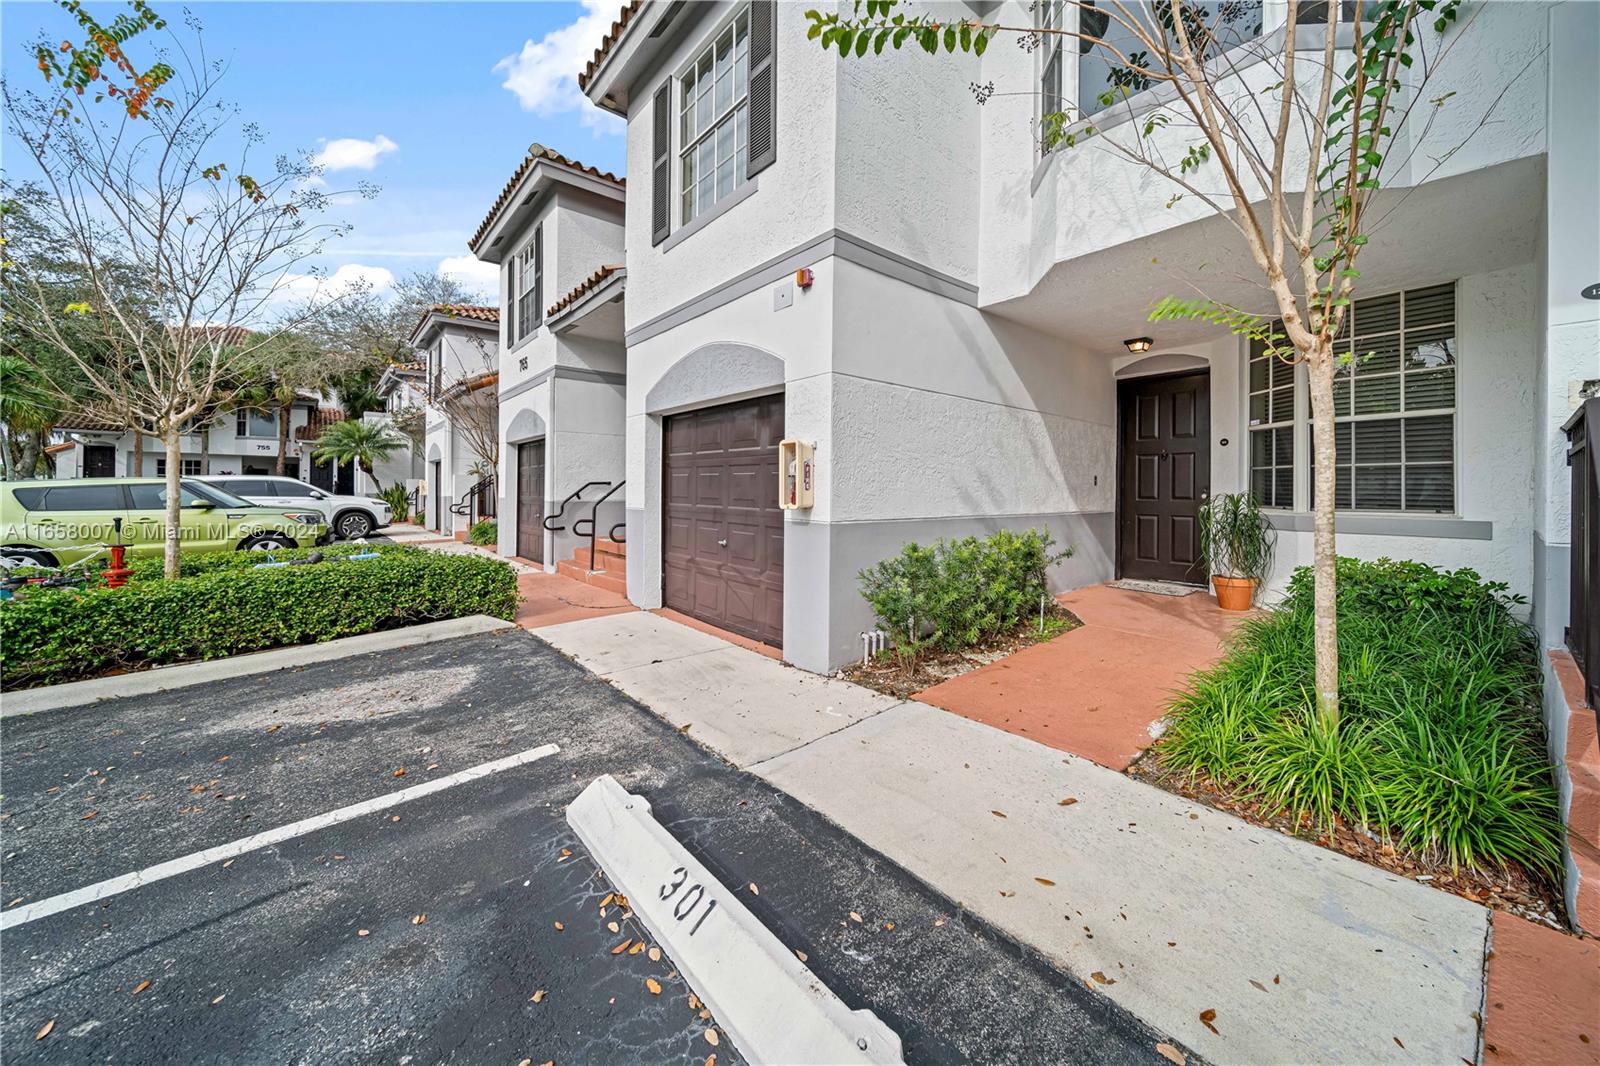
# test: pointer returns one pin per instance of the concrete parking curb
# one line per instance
(182, 675)
(774, 1008)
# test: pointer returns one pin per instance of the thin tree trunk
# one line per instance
(174, 448)
(366, 468)
(1320, 368)
(28, 461)
(284, 413)
(205, 448)
(138, 452)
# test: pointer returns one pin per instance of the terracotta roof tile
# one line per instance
(536, 153)
(587, 285)
(469, 311)
(321, 419)
(609, 41)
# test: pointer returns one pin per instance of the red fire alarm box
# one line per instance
(797, 474)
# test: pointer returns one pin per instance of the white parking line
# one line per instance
(173, 867)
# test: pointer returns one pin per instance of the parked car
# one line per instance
(348, 516)
(55, 523)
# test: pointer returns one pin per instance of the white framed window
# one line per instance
(1394, 402)
(714, 120)
(1051, 13)
(527, 287)
(251, 422)
(1271, 413)
(190, 468)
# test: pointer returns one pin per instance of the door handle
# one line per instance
(722, 543)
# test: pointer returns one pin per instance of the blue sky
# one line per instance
(436, 103)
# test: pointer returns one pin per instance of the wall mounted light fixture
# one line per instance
(1139, 345)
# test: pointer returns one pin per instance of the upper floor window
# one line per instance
(1394, 399)
(714, 119)
(527, 288)
(435, 368)
(1050, 102)
(250, 422)
(1104, 80)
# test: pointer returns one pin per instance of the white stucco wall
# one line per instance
(1497, 331)
(795, 198)
(1089, 198)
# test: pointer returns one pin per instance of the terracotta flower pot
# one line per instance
(1234, 593)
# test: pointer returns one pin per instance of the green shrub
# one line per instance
(1440, 743)
(149, 568)
(485, 533)
(398, 499)
(60, 635)
(959, 593)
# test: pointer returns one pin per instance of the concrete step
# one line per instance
(612, 564)
(607, 546)
(609, 581)
(575, 570)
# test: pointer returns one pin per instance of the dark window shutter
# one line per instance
(511, 303)
(763, 86)
(661, 166)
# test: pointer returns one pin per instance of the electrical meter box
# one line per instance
(797, 474)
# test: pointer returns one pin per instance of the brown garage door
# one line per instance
(723, 556)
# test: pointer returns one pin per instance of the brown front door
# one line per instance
(722, 554)
(530, 501)
(1165, 456)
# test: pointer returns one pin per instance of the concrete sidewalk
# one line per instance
(1168, 908)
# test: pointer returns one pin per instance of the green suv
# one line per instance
(55, 523)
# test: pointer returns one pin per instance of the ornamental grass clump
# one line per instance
(1439, 747)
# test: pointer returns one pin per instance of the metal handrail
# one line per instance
(471, 504)
(593, 511)
(623, 525)
(562, 509)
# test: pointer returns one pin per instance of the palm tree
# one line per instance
(358, 441)
(27, 412)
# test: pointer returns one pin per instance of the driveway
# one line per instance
(424, 928)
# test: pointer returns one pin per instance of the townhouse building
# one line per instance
(556, 232)
(460, 346)
(237, 441)
(861, 256)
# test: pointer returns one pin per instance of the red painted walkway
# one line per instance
(1097, 690)
(550, 599)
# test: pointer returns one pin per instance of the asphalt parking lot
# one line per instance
(461, 926)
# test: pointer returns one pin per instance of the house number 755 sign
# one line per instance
(688, 904)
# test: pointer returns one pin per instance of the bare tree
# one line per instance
(472, 405)
(1293, 161)
(169, 193)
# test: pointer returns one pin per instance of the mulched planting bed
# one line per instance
(1510, 889)
(885, 674)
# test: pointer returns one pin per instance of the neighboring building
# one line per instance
(242, 441)
(556, 231)
(460, 344)
(403, 387)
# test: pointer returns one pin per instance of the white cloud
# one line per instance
(296, 290)
(352, 153)
(544, 74)
(472, 272)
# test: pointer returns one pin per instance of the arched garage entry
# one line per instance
(721, 417)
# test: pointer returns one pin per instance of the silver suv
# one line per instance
(348, 516)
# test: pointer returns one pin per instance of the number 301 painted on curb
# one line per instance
(690, 900)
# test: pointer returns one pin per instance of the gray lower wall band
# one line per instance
(1378, 525)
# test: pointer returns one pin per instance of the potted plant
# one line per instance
(1237, 544)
